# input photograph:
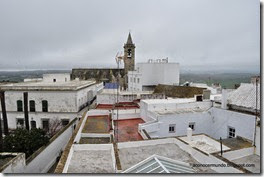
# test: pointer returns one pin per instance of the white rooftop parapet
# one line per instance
(224, 99)
(57, 77)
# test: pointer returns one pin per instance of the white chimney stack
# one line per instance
(189, 134)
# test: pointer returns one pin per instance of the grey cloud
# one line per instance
(61, 34)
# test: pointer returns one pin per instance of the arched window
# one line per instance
(33, 124)
(44, 106)
(32, 106)
(19, 106)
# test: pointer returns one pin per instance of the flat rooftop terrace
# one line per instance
(204, 143)
(128, 130)
(95, 140)
(181, 111)
(253, 162)
(41, 85)
(91, 159)
(131, 155)
(236, 143)
(97, 124)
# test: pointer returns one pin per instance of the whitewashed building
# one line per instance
(154, 72)
(167, 118)
(55, 96)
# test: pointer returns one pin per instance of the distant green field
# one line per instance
(19, 76)
(227, 80)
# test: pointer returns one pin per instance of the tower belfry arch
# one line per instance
(129, 56)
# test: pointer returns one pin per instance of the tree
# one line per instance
(27, 141)
(54, 126)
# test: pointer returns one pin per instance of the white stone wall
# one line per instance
(243, 123)
(112, 98)
(181, 121)
(163, 104)
(38, 117)
(44, 159)
(153, 74)
(85, 95)
(16, 165)
(126, 114)
(58, 101)
(214, 122)
(60, 77)
(43, 162)
(61, 104)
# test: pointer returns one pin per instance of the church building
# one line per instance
(109, 75)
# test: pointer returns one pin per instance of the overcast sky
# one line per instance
(62, 34)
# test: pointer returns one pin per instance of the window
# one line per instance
(138, 80)
(134, 80)
(65, 79)
(231, 132)
(54, 80)
(19, 106)
(65, 122)
(131, 79)
(172, 128)
(32, 106)
(33, 124)
(192, 125)
(45, 124)
(199, 98)
(44, 106)
(20, 123)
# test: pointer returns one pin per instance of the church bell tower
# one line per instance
(129, 55)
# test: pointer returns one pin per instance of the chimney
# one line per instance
(224, 99)
(189, 134)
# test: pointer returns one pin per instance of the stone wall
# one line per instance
(99, 74)
(178, 91)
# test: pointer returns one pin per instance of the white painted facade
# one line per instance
(209, 120)
(152, 73)
(44, 161)
(109, 96)
(126, 114)
(45, 157)
(15, 165)
(65, 99)
(60, 77)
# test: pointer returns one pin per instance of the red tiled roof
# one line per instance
(128, 130)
